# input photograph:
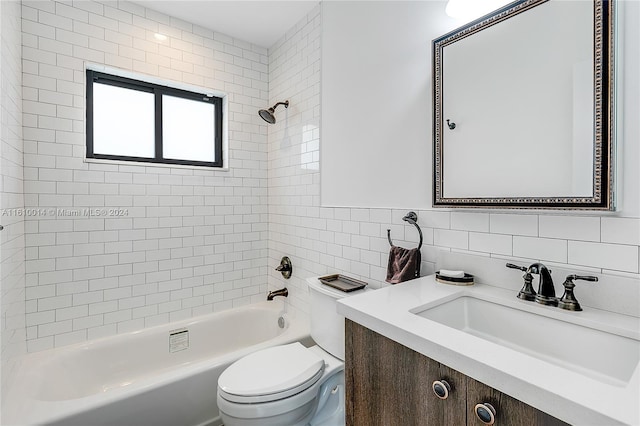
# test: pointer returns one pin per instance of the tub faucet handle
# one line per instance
(285, 267)
(568, 300)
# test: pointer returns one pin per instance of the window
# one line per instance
(134, 120)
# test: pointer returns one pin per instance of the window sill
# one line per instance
(145, 164)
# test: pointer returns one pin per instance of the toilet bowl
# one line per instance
(291, 385)
(309, 378)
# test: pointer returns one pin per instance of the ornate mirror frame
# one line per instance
(604, 119)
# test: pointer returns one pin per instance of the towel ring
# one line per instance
(412, 218)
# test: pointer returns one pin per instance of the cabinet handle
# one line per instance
(441, 388)
(486, 413)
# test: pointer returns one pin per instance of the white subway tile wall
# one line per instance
(12, 242)
(175, 242)
(195, 240)
(548, 249)
(607, 256)
(570, 227)
(620, 231)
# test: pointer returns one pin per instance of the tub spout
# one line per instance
(282, 292)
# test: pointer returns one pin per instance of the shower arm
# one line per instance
(285, 103)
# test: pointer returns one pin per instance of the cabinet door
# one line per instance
(509, 411)
(449, 411)
(389, 384)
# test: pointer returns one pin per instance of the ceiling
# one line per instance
(261, 22)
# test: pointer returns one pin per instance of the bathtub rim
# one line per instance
(22, 406)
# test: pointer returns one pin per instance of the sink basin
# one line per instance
(553, 337)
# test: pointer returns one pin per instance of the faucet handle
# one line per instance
(527, 292)
(285, 267)
(512, 266)
(583, 277)
(568, 300)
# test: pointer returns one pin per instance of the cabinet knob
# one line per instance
(441, 388)
(486, 413)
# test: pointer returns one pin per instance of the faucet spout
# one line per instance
(546, 291)
(282, 292)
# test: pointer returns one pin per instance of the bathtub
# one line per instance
(165, 375)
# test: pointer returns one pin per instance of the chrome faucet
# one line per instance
(282, 292)
(546, 291)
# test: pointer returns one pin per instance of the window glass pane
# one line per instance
(187, 129)
(123, 121)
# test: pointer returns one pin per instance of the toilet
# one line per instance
(291, 385)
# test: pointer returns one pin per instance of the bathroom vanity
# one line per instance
(534, 364)
(387, 381)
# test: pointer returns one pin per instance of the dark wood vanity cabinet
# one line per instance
(388, 384)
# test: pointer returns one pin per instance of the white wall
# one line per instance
(352, 240)
(628, 108)
(12, 252)
(376, 102)
(194, 240)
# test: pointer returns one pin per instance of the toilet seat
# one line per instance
(271, 374)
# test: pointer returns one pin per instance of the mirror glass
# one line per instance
(523, 108)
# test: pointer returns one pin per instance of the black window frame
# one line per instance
(158, 90)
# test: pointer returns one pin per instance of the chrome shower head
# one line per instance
(268, 115)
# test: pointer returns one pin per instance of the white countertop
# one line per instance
(564, 393)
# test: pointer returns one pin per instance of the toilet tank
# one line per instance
(327, 326)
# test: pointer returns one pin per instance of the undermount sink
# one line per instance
(600, 354)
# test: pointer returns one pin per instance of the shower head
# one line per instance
(268, 114)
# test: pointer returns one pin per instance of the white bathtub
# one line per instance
(135, 380)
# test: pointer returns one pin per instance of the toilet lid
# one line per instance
(271, 374)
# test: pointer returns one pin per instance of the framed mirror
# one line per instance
(524, 108)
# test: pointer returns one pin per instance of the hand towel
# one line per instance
(404, 264)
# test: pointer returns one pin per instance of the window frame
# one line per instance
(158, 91)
